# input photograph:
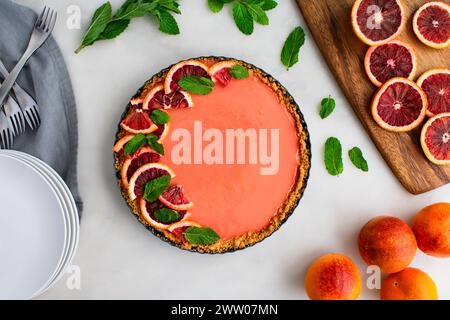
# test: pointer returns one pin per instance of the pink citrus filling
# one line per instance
(234, 198)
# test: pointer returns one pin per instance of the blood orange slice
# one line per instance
(148, 214)
(431, 24)
(435, 139)
(220, 71)
(377, 22)
(143, 175)
(138, 159)
(182, 69)
(436, 84)
(178, 229)
(162, 131)
(175, 199)
(391, 60)
(118, 147)
(400, 105)
(138, 121)
(157, 99)
(136, 102)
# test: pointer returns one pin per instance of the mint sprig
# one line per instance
(291, 48)
(239, 72)
(166, 215)
(200, 235)
(357, 158)
(154, 188)
(333, 156)
(327, 107)
(141, 140)
(159, 117)
(196, 85)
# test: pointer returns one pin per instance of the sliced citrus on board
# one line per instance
(118, 147)
(436, 84)
(377, 22)
(178, 229)
(182, 69)
(220, 71)
(175, 199)
(390, 60)
(148, 214)
(143, 175)
(435, 139)
(431, 24)
(138, 159)
(399, 105)
(157, 99)
(138, 121)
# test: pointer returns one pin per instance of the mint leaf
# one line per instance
(113, 29)
(357, 158)
(196, 85)
(242, 18)
(333, 156)
(215, 5)
(258, 14)
(135, 144)
(167, 22)
(154, 188)
(291, 48)
(202, 236)
(132, 9)
(328, 105)
(166, 215)
(97, 26)
(239, 72)
(153, 143)
(159, 117)
(269, 5)
(171, 5)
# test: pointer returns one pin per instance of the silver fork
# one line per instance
(42, 29)
(27, 104)
(6, 132)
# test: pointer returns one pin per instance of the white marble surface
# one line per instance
(118, 258)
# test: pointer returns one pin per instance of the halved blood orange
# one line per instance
(436, 84)
(220, 71)
(138, 121)
(143, 175)
(118, 147)
(147, 212)
(175, 199)
(182, 69)
(178, 229)
(435, 139)
(134, 162)
(377, 22)
(157, 99)
(399, 105)
(390, 60)
(431, 24)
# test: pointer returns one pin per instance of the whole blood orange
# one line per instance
(436, 85)
(435, 139)
(431, 24)
(409, 284)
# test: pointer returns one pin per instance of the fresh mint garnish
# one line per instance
(153, 143)
(333, 156)
(243, 18)
(167, 22)
(196, 85)
(135, 144)
(215, 5)
(154, 188)
(166, 215)
(202, 236)
(328, 105)
(357, 158)
(291, 48)
(239, 72)
(269, 5)
(159, 117)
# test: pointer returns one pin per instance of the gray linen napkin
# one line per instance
(46, 78)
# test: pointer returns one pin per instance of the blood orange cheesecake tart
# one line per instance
(212, 154)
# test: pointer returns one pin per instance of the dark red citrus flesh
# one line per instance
(152, 207)
(187, 70)
(400, 105)
(391, 60)
(138, 120)
(179, 233)
(223, 76)
(391, 19)
(437, 88)
(140, 159)
(158, 132)
(175, 195)
(437, 138)
(434, 24)
(145, 177)
(174, 100)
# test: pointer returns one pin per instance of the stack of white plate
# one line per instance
(39, 226)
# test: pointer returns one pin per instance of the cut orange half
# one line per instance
(182, 69)
(431, 24)
(435, 139)
(436, 84)
(399, 105)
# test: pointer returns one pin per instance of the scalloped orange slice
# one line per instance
(182, 69)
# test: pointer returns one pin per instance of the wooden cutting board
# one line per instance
(329, 22)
